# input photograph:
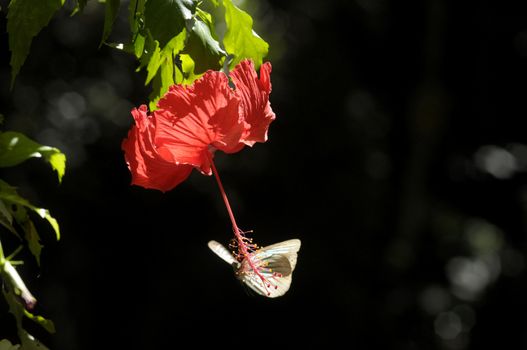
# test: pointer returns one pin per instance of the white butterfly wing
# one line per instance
(288, 248)
(280, 258)
(282, 284)
(222, 252)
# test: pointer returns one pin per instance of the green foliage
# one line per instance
(202, 44)
(165, 19)
(17, 207)
(6, 345)
(174, 40)
(241, 40)
(28, 342)
(25, 19)
(16, 148)
(6, 219)
(112, 8)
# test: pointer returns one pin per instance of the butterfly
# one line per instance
(275, 264)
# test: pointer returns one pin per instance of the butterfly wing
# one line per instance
(288, 248)
(279, 261)
(222, 252)
(254, 282)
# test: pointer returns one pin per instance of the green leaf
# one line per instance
(167, 18)
(161, 68)
(135, 17)
(162, 81)
(81, 4)
(33, 239)
(6, 218)
(44, 322)
(6, 345)
(9, 195)
(16, 148)
(187, 67)
(17, 310)
(240, 40)
(135, 12)
(25, 19)
(203, 46)
(57, 161)
(148, 51)
(154, 63)
(162, 58)
(112, 8)
(30, 232)
(29, 342)
(155, 95)
(139, 45)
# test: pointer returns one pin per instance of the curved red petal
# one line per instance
(148, 169)
(254, 94)
(191, 119)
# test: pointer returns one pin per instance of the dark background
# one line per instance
(398, 157)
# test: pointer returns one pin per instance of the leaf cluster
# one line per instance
(175, 41)
(15, 217)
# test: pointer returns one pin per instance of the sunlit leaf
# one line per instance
(162, 81)
(240, 40)
(9, 195)
(161, 69)
(25, 19)
(187, 65)
(148, 50)
(154, 63)
(202, 44)
(155, 95)
(47, 324)
(139, 45)
(112, 8)
(57, 161)
(167, 18)
(16, 148)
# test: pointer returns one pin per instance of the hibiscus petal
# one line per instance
(148, 169)
(191, 119)
(254, 94)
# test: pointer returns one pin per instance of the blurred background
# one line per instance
(398, 157)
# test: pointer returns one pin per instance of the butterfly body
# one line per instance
(274, 265)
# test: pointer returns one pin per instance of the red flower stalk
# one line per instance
(192, 123)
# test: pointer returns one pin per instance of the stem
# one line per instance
(237, 232)
(226, 201)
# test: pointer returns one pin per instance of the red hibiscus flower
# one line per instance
(192, 122)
